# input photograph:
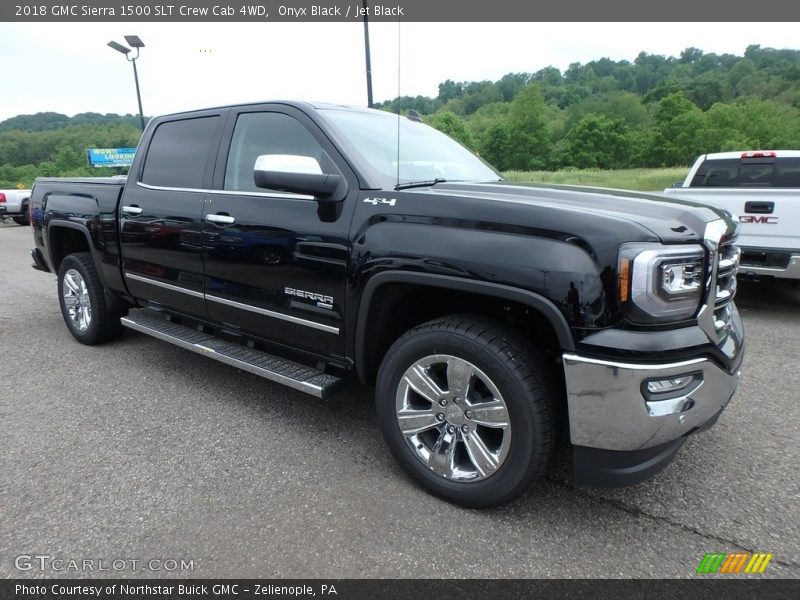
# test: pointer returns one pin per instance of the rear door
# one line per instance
(161, 210)
(277, 269)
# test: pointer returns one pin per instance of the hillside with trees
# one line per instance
(656, 111)
(54, 145)
(653, 112)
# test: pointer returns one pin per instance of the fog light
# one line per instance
(673, 384)
(670, 395)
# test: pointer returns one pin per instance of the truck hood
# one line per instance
(671, 220)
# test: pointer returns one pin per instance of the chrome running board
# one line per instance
(280, 370)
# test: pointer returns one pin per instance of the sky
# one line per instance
(68, 68)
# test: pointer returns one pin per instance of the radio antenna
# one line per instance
(398, 102)
(366, 52)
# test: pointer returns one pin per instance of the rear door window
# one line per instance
(178, 153)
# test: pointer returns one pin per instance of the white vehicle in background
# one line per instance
(762, 190)
(14, 204)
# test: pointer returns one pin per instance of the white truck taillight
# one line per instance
(2, 197)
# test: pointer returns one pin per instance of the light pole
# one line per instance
(133, 42)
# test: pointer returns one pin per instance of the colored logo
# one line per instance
(736, 562)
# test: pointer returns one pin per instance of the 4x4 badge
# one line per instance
(376, 201)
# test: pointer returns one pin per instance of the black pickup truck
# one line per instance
(307, 243)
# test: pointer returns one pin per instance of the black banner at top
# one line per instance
(394, 10)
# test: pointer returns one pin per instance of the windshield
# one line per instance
(425, 153)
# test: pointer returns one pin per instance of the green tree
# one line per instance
(495, 145)
(528, 131)
(679, 133)
(615, 105)
(449, 90)
(595, 142)
(708, 88)
(486, 116)
(722, 128)
(454, 126)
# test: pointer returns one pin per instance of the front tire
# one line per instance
(467, 406)
(83, 304)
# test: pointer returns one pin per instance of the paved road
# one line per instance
(139, 450)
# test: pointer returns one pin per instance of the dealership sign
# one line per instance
(110, 157)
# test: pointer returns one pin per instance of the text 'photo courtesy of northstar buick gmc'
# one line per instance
(311, 243)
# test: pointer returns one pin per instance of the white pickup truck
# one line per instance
(14, 204)
(762, 190)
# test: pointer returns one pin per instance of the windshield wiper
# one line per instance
(415, 184)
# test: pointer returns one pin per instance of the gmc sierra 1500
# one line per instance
(306, 242)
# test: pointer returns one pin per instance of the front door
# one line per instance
(275, 262)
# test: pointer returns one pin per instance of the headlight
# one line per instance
(660, 283)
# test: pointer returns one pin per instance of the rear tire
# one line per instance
(83, 303)
(477, 403)
(25, 218)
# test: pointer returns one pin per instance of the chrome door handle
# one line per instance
(220, 219)
(131, 210)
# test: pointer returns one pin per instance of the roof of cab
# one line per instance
(301, 104)
(738, 154)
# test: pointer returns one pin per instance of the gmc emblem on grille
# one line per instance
(762, 220)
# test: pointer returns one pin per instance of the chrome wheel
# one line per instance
(76, 300)
(453, 418)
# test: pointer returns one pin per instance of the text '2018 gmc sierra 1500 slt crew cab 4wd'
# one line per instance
(307, 242)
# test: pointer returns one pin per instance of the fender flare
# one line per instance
(61, 223)
(495, 290)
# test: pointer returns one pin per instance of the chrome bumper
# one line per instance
(608, 407)
(790, 272)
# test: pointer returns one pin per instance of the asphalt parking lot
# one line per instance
(138, 450)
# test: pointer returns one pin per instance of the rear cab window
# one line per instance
(767, 172)
(178, 153)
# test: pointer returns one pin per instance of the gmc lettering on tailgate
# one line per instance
(760, 219)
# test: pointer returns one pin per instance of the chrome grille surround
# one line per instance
(718, 312)
(728, 257)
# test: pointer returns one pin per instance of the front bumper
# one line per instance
(610, 409)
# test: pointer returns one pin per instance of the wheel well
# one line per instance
(65, 241)
(397, 307)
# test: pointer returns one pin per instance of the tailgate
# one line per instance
(768, 218)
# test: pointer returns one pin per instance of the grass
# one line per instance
(646, 180)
